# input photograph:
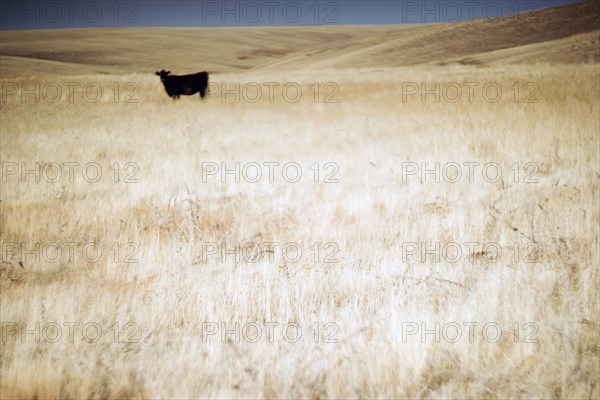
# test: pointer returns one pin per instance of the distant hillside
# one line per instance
(565, 34)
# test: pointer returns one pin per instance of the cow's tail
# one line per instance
(204, 84)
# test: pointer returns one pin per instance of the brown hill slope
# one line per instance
(564, 34)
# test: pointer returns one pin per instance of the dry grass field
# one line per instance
(119, 276)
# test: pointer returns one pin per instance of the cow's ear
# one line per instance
(157, 73)
(167, 73)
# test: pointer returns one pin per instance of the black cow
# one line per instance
(176, 85)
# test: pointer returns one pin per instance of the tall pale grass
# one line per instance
(374, 291)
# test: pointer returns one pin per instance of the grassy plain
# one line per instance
(365, 291)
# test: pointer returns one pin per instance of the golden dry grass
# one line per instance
(372, 294)
(369, 293)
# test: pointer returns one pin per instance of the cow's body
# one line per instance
(176, 85)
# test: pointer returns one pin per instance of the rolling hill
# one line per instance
(566, 34)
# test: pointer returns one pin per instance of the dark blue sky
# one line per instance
(54, 14)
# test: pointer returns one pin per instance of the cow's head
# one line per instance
(163, 74)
